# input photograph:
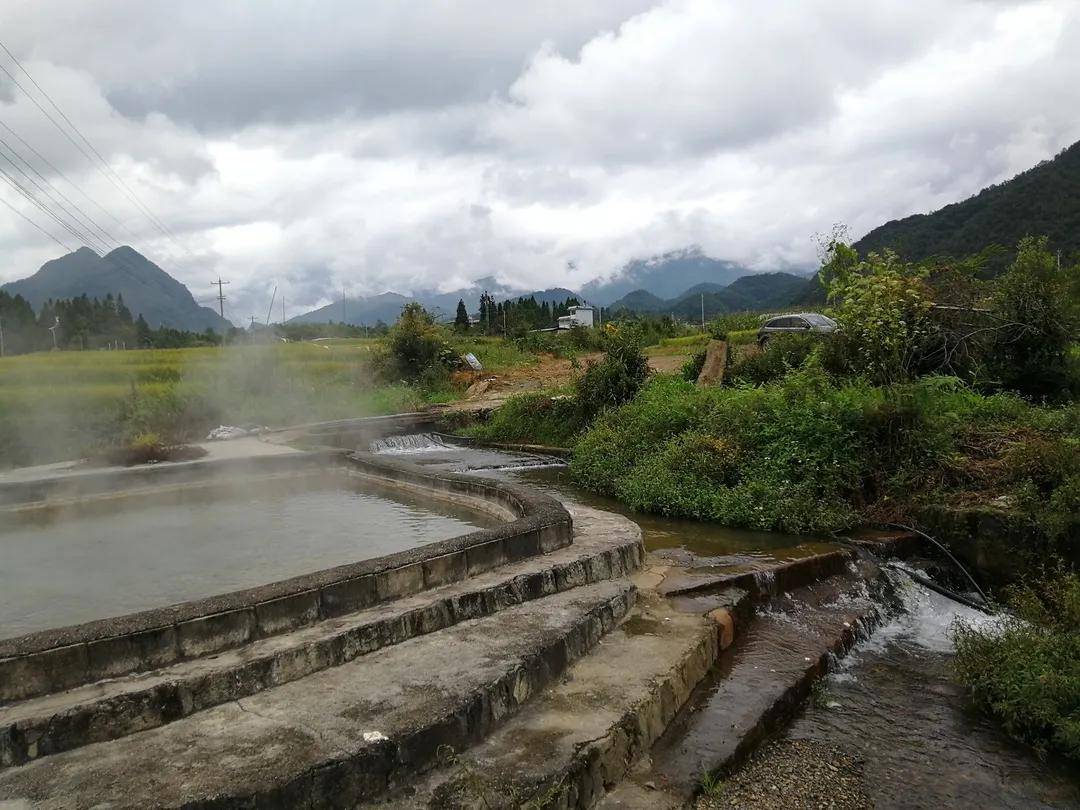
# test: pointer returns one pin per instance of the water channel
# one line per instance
(891, 700)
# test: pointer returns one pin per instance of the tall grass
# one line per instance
(65, 404)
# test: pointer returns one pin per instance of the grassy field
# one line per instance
(61, 405)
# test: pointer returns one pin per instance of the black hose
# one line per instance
(929, 583)
(948, 554)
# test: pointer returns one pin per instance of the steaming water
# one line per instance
(65, 569)
(892, 701)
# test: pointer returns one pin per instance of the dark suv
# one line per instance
(799, 323)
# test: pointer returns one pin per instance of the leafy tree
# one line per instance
(461, 320)
(1029, 349)
(882, 307)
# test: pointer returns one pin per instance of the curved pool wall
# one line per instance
(61, 658)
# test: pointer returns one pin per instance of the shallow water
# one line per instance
(706, 541)
(703, 542)
(892, 701)
(120, 557)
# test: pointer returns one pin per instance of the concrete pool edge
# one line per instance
(60, 658)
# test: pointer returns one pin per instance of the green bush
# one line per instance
(616, 378)
(533, 419)
(691, 369)
(586, 339)
(417, 347)
(1026, 670)
(1029, 350)
(781, 354)
(808, 454)
(789, 456)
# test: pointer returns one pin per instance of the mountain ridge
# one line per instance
(1043, 200)
(146, 288)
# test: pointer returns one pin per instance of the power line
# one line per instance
(61, 206)
(66, 179)
(24, 216)
(85, 217)
(47, 211)
(100, 164)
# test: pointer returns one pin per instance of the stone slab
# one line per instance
(342, 736)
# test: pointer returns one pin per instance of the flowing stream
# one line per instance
(891, 700)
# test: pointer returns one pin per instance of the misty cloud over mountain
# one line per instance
(418, 148)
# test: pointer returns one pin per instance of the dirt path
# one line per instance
(486, 390)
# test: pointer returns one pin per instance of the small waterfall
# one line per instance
(765, 582)
(410, 443)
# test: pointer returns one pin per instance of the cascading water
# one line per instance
(411, 443)
(893, 702)
(432, 450)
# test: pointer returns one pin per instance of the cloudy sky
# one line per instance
(389, 145)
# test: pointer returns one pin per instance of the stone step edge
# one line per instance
(630, 795)
(153, 705)
(764, 583)
(364, 776)
(604, 761)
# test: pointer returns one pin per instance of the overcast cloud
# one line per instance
(387, 145)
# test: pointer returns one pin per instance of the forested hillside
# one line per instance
(1043, 200)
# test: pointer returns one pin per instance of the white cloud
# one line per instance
(420, 147)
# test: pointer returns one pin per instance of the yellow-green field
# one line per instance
(60, 405)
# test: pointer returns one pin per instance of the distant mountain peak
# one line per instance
(146, 288)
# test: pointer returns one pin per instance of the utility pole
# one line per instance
(344, 310)
(283, 310)
(221, 308)
(220, 296)
(703, 312)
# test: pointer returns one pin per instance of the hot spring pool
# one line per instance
(118, 556)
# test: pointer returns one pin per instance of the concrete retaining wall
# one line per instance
(53, 660)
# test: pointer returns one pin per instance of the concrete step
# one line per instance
(604, 547)
(577, 738)
(342, 736)
(757, 685)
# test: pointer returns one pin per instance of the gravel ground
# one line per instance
(793, 775)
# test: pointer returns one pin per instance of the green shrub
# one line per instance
(586, 339)
(1026, 670)
(812, 455)
(416, 346)
(786, 457)
(781, 354)
(691, 369)
(665, 407)
(534, 419)
(616, 378)
(1029, 350)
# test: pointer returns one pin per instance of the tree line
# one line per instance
(512, 317)
(86, 323)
